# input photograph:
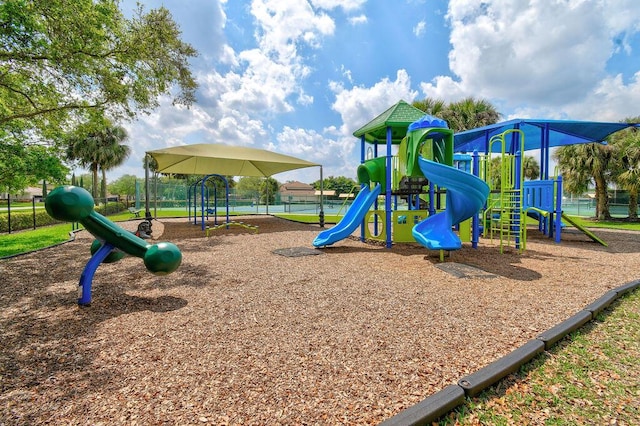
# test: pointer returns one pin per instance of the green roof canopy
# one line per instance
(398, 117)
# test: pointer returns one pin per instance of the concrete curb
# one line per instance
(435, 406)
(571, 324)
(474, 383)
(430, 408)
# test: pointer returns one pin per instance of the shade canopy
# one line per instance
(202, 159)
(538, 133)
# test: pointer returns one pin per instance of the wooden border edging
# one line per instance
(435, 406)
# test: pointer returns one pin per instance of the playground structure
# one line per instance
(205, 206)
(425, 158)
(512, 199)
(448, 189)
(75, 204)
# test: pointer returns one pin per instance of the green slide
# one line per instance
(583, 229)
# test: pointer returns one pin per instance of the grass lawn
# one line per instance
(590, 377)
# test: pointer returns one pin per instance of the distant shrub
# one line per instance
(21, 220)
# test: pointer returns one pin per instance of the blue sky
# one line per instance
(298, 77)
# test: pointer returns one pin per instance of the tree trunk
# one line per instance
(633, 204)
(94, 184)
(103, 186)
(602, 199)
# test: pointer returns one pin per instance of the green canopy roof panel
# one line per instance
(398, 118)
(202, 159)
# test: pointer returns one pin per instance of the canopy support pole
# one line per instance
(321, 215)
(147, 212)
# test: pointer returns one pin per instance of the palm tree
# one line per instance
(583, 163)
(531, 167)
(626, 144)
(465, 114)
(99, 148)
(470, 113)
(431, 106)
(112, 151)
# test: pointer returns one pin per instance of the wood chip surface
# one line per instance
(242, 335)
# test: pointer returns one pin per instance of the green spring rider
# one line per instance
(74, 204)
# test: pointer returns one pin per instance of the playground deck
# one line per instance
(242, 334)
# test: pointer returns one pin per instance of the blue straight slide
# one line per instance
(466, 194)
(351, 220)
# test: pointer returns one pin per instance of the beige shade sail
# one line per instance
(227, 160)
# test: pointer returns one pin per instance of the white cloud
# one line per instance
(283, 24)
(347, 5)
(358, 105)
(537, 55)
(357, 20)
(610, 100)
(314, 147)
(420, 29)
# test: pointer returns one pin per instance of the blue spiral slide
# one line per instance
(466, 194)
(351, 220)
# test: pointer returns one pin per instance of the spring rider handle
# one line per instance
(74, 204)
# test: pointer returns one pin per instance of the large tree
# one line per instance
(585, 163)
(25, 165)
(98, 146)
(431, 106)
(626, 170)
(465, 114)
(251, 186)
(113, 151)
(65, 60)
(124, 185)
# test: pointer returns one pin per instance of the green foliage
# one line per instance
(63, 60)
(531, 168)
(124, 186)
(26, 165)
(340, 184)
(585, 163)
(97, 145)
(465, 114)
(250, 186)
(531, 171)
(24, 220)
(268, 190)
(626, 172)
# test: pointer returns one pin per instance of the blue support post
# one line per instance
(518, 186)
(362, 158)
(86, 278)
(432, 194)
(475, 223)
(558, 212)
(387, 197)
(544, 164)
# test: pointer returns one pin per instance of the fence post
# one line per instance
(33, 204)
(9, 211)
